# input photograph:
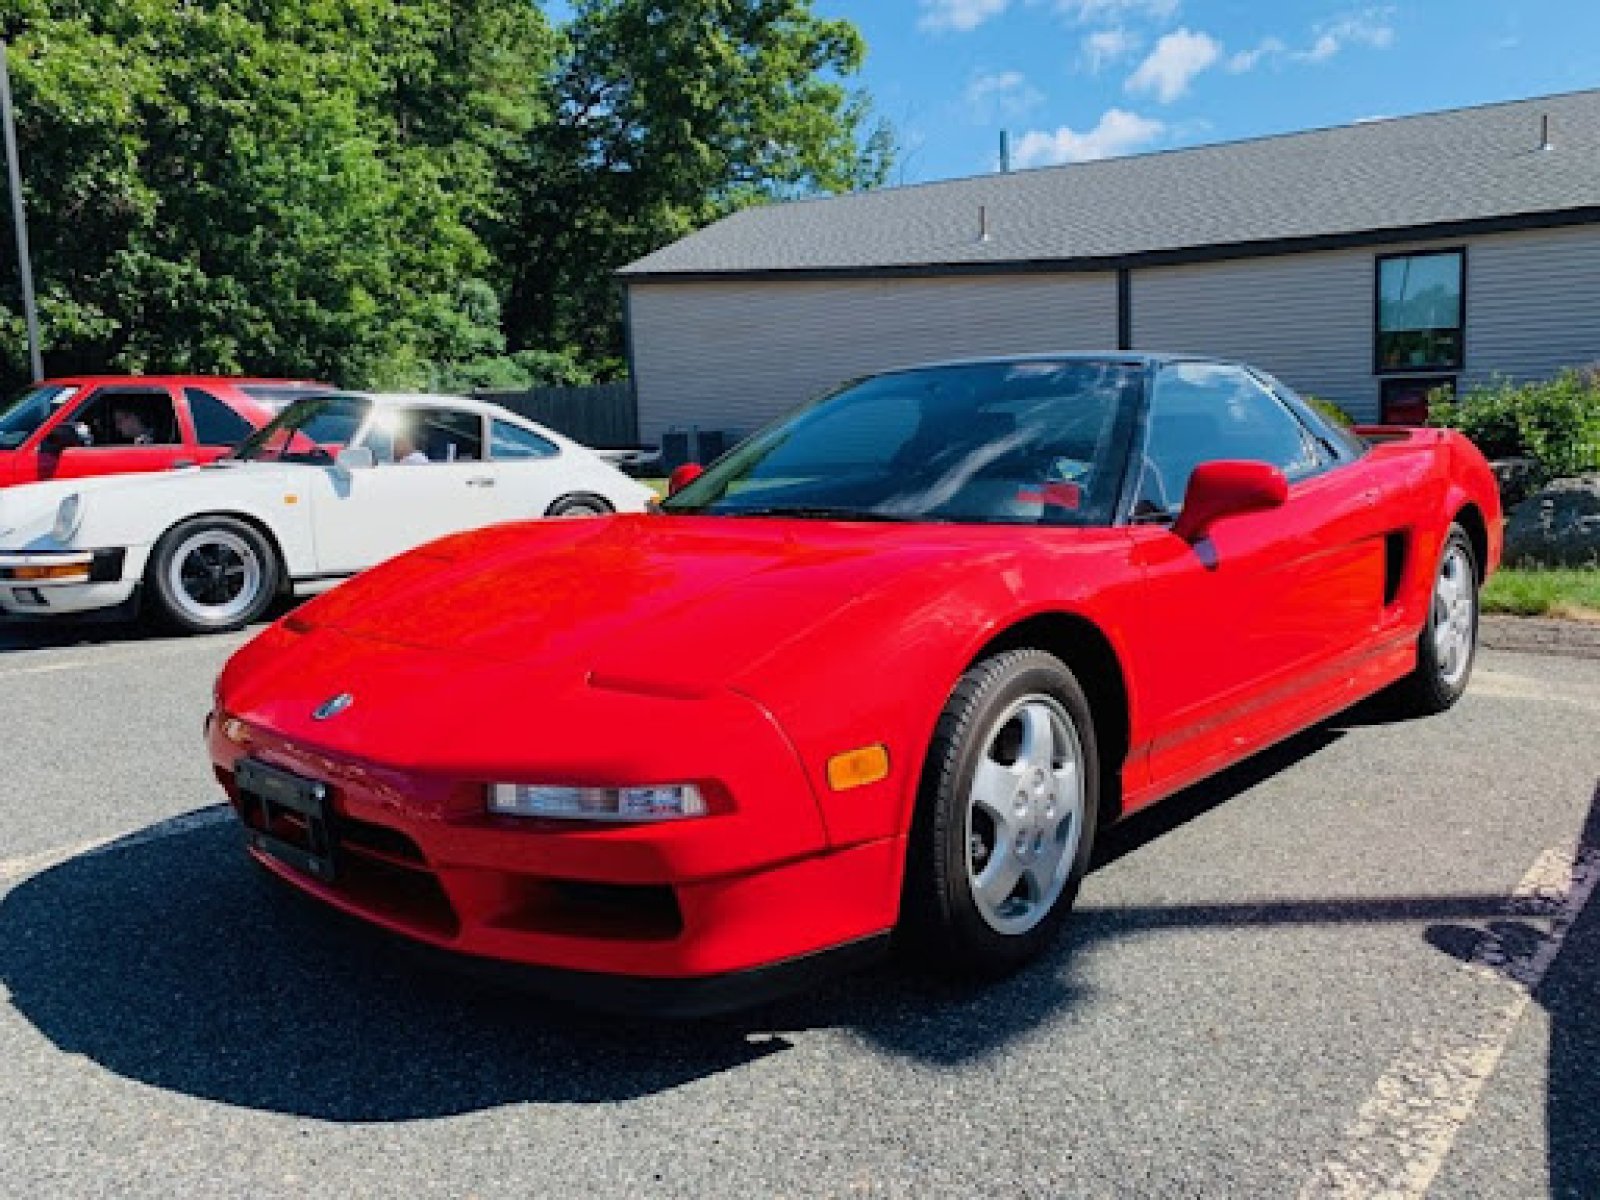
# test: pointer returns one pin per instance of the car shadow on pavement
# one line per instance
(1570, 994)
(19, 634)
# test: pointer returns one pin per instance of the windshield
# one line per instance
(993, 443)
(313, 430)
(23, 416)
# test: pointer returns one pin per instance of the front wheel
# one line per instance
(1006, 816)
(212, 575)
(1449, 640)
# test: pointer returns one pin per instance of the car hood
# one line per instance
(669, 604)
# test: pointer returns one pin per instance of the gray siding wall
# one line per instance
(735, 355)
(1533, 303)
(1533, 307)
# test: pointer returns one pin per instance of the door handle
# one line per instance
(481, 481)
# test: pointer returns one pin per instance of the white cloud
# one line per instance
(1108, 47)
(1092, 11)
(1172, 66)
(1367, 27)
(1118, 132)
(1002, 94)
(959, 16)
(1247, 60)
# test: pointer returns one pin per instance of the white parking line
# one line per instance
(1407, 1127)
(113, 658)
(14, 869)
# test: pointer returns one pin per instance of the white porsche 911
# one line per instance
(335, 484)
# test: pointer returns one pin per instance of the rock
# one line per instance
(1557, 527)
(1516, 477)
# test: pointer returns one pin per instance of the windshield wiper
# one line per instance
(816, 512)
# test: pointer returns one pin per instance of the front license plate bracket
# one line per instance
(271, 800)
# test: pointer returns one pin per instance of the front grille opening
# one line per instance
(622, 912)
(406, 896)
(378, 841)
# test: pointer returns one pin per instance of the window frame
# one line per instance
(1133, 474)
(491, 420)
(365, 434)
(1378, 367)
(107, 392)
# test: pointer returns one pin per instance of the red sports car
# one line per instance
(122, 424)
(888, 667)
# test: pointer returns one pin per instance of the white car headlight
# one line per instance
(68, 517)
(665, 802)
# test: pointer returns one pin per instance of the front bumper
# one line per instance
(65, 582)
(695, 915)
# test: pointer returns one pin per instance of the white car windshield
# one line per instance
(313, 430)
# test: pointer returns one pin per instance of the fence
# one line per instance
(605, 416)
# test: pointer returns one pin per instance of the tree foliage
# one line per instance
(397, 192)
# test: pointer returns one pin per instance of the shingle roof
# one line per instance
(1445, 168)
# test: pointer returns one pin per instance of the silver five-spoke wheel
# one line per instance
(1454, 615)
(1025, 814)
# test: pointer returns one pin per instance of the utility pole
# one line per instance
(19, 217)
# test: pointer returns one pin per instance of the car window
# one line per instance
(21, 419)
(118, 417)
(1202, 412)
(215, 422)
(425, 434)
(1013, 442)
(508, 441)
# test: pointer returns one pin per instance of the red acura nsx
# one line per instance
(886, 668)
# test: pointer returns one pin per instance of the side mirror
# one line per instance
(683, 477)
(1228, 489)
(69, 435)
(356, 458)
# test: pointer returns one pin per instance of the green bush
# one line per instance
(1554, 422)
(1330, 410)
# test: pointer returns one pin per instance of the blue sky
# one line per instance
(1080, 79)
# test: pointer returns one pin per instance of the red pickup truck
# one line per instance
(117, 424)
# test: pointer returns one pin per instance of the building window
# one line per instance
(1406, 401)
(1421, 311)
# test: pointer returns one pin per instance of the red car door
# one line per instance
(122, 429)
(1263, 622)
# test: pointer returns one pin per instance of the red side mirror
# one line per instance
(1228, 489)
(683, 477)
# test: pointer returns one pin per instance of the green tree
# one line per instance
(303, 187)
(668, 116)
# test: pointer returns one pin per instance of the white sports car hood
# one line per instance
(28, 511)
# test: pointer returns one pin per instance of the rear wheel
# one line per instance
(1006, 817)
(212, 574)
(1449, 640)
(580, 504)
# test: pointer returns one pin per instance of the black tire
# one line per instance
(942, 922)
(1435, 685)
(212, 575)
(580, 504)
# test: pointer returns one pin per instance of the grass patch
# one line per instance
(1521, 592)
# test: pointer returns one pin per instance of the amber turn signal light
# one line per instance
(857, 768)
(46, 573)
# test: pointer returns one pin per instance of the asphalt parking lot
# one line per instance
(1360, 965)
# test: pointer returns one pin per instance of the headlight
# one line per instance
(68, 517)
(667, 802)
